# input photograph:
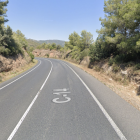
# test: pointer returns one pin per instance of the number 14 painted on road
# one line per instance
(60, 92)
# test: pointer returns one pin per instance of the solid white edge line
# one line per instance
(115, 127)
(28, 109)
(20, 76)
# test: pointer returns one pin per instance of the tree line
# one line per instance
(49, 46)
(118, 39)
(78, 45)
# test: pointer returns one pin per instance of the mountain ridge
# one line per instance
(37, 42)
(57, 42)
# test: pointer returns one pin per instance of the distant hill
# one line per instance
(35, 43)
(57, 42)
(32, 43)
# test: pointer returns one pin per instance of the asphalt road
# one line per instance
(58, 101)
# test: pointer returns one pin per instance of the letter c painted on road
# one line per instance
(56, 100)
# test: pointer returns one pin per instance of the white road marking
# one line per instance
(58, 93)
(60, 102)
(28, 109)
(20, 77)
(115, 127)
(64, 89)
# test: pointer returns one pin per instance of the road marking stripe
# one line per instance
(20, 77)
(118, 131)
(64, 89)
(58, 93)
(28, 109)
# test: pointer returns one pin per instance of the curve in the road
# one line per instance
(57, 88)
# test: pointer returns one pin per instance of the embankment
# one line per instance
(12, 65)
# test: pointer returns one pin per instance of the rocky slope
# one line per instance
(13, 62)
(123, 74)
(47, 53)
(12, 65)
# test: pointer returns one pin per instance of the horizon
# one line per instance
(44, 40)
(53, 20)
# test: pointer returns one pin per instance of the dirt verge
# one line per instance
(127, 92)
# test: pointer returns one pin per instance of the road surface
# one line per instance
(56, 100)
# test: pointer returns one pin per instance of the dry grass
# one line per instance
(124, 88)
(8, 75)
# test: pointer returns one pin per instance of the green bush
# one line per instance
(4, 51)
(130, 64)
(31, 56)
(111, 61)
(82, 55)
(47, 55)
(11, 43)
(0, 79)
(94, 53)
(137, 67)
(116, 68)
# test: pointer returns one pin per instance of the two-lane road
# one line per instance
(58, 101)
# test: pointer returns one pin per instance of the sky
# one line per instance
(54, 19)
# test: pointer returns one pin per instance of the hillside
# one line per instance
(57, 42)
(35, 43)
(32, 43)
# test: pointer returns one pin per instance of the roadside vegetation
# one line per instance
(78, 45)
(49, 46)
(32, 44)
(13, 48)
(118, 40)
(11, 43)
(119, 37)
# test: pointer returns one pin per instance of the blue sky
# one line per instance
(54, 19)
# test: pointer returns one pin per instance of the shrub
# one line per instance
(47, 55)
(116, 77)
(130, 64)
(137, 67)
(111, 61)
(115, 68)
(97, 68)
(0, 79)
(31, 56)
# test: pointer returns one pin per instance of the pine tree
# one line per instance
(120, 32)
(3, 11)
